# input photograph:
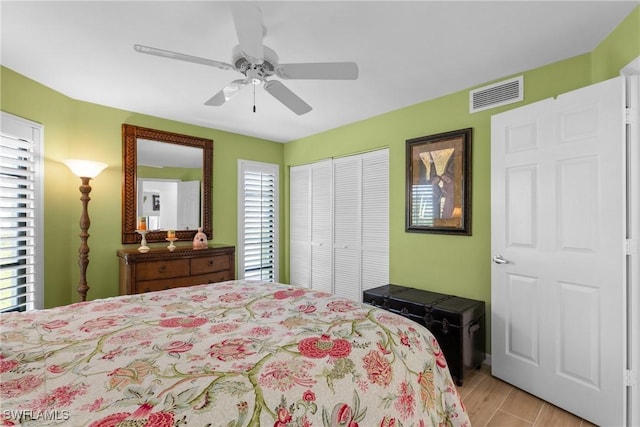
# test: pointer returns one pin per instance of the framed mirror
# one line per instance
(167, 182)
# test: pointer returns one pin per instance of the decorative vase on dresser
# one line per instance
(160, 269)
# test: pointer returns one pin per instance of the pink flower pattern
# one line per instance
(342, 306)
(19, 386)
(222, 328)
(60, 397)
(8, 365)
(288, 293)
(406, 402)
(183, 322)
(231, 349)
(378, 368)
(54, 324)
(270, 353)
(100, 323)
(322, 346)
(283, 376)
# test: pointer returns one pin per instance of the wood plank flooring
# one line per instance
(491, 402)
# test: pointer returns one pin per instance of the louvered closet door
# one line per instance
(375, 219)
(321, 230)
(347, 227)
(361, 223)
(300, 226)
(339, 212)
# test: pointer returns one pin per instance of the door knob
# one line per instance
(498, 259)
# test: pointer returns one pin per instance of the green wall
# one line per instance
(455, 264)
(445, 263)
(75, 129)
(618, 49)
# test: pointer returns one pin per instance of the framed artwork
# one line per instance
(150, 204)
(438, 193)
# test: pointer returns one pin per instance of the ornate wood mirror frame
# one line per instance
(130, 136)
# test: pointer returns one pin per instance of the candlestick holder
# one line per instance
(143, 244)
(171, 246)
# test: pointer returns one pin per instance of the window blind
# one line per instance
(258, 239)
(19, 216)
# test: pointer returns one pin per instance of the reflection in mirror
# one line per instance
(167, 180)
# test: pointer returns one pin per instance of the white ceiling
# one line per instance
(407, 53)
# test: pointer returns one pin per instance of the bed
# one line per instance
(238, 353)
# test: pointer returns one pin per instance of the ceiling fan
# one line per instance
(258, 63)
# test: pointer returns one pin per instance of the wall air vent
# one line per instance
(496, 95)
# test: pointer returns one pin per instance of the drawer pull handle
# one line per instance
(211, 262)
(162, 269)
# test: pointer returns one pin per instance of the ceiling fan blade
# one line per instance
(323, 70)
(288, 98)
(250, 30)
(227, 92)
(180, 56)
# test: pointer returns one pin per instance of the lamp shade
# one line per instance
(85, 168)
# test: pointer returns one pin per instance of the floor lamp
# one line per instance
(85, 170)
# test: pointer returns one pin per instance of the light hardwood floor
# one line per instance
(493, 403)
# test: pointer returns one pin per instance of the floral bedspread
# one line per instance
(231, 354)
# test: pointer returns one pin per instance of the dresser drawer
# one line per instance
(158, 268)
(210, 264)
(164, 269)
(178, 282)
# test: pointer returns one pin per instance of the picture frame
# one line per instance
(156, 202)
(438, 186)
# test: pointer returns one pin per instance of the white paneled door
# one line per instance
(558, 197)
(188, 205)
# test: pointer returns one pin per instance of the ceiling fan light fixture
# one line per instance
(255, 75)
(258, 63)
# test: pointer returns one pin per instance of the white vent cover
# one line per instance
(497, 94)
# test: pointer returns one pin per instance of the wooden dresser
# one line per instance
(161, 269)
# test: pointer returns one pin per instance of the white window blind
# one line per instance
(20, 215)
(258, 218)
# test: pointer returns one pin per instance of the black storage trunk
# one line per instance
(412, 303)
(457, 323)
